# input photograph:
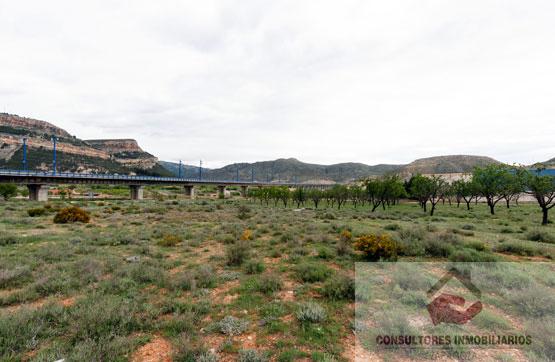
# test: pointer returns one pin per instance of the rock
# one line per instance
(133, 259)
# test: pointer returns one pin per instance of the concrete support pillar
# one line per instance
(244, 190)
(38, 192)
(189, 191)
(221, 191)
(136, 192)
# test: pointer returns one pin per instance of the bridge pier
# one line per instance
(244, 190)
(221, 191)
(189, 191)
(38, 192)
(136, 191)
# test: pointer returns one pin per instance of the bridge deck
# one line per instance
(39, 177)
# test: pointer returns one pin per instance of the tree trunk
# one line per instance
(545, 210)
(491, 208)
(432, 210)
(507, 200)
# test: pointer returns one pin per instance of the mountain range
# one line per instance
(126, 156)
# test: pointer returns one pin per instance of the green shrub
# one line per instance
(392, 227)
(438, 248)
(344, 247)
(463, 232)
(540, 236)
(14, 277)
(325, 253)
(232, 326)
(206, 277)
(243, 212)
(207, 357)
(102, 317)
(251, 355)
(310, 312)
(476, 245)
(237, 253)
(8, 240)
(269, 284)
(8, 191)
(39, 211)
(312, 272)
(518, 248)
(339, 287)
(376, 247)
(71, 215)
(182, 323)
(471, 255)
(254, 267)
(449, 237)
(170, 240)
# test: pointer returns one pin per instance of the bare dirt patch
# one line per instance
(157, 350)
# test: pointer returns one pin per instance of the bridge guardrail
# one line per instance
(62, 175)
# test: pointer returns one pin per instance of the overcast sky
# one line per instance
(322, 81)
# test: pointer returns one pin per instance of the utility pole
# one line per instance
(180, 174)
(200, 171)
(237, 174)
(252, 173)
(54, 141)
(24, 139)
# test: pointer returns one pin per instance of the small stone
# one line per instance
(133, 259)
(245, 312)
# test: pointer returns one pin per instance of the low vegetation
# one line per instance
(236, 279)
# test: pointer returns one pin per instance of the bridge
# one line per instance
(38, 182)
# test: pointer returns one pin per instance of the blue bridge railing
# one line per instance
(65, 175)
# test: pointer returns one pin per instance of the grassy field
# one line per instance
(196, 280)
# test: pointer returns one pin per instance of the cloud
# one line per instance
(320, 81)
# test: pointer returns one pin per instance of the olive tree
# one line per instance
(542, 188)
(492, 183)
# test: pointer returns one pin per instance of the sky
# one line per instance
(322, 81)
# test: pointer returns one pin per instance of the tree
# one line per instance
(420, 189)
(513, 185)
(374, 191)
(339, 193)
(384, 191)
(465, 190)
(492, 183)
(542, 188)
(357, 195)
(437, 187)
(315, 195)
(284, 195)
(8, 190)
(299, 196)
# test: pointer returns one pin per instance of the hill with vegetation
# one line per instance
(445, 164)
(289, 170)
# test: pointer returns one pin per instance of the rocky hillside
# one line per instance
(549, 163)
(73, 154)
(126, 152)
(445, 164)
